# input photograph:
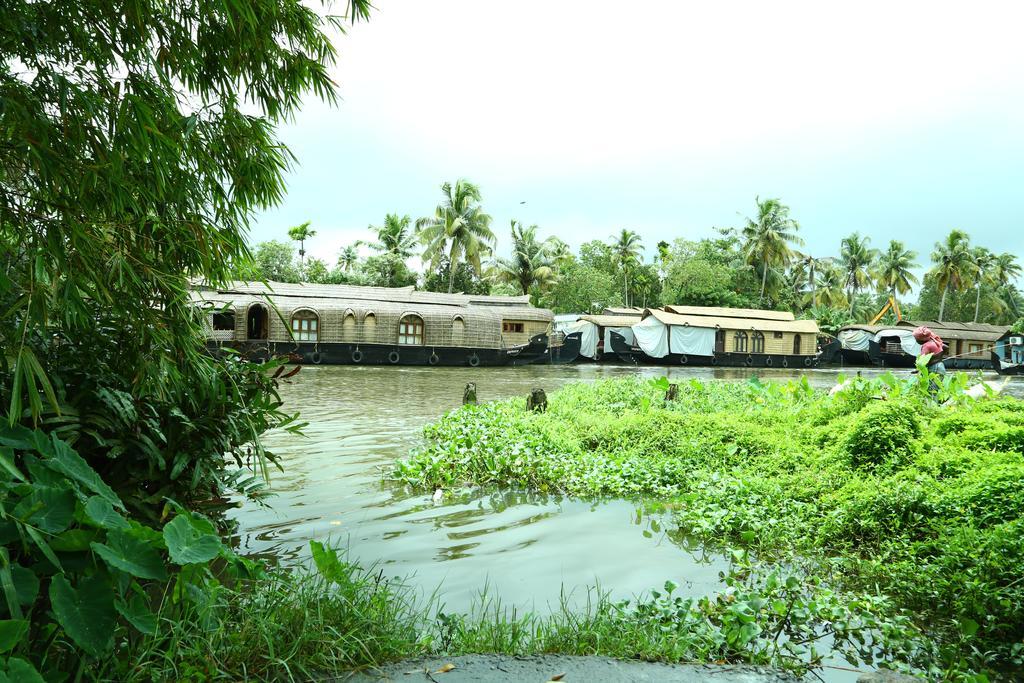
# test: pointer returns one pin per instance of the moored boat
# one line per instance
(969, 346)
(349, 325)
(706, 336)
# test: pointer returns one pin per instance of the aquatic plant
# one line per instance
(902, 484)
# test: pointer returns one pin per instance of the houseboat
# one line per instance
(350, 325)
(595, 333)
(1009, 353)
(969, 346)
(737, 337)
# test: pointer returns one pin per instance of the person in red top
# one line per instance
(933, 344)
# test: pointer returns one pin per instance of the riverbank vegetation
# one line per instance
(757, 264)
(898, 488)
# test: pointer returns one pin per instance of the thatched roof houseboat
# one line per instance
(344, 324)
(1009, 353)
(595, 332)
(970, 346)
(699, 335)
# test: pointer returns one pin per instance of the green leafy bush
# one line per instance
(885, 434)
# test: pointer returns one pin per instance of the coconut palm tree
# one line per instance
(459, 229)
(954, 265)
(831, 286)
(767, 238)
(626, 248)
(561, 253)
(532, 263)
(1005, 272)
(983, 262)
(348, 258)
(894, 274)
(857, 260)
(301, 233)
(810, 267)
(396, 237)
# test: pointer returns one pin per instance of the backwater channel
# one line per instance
(525, 548)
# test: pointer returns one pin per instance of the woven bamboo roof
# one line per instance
(721, 312)
(612, 320)
(734, 323)
(951, 330)
(400, 294)
(619, 310)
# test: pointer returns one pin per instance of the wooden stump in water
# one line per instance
(537, 401)
(469, 395)
(672, 393)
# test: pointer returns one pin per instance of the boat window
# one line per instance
(305, 325)
(974, 348)
(224, 320)
(796, 343)
(511, 327)
(410, 330)
(257, 322)
(739, 342)
(777, 335)
(348, 327)
(757, 343)
(458, 330)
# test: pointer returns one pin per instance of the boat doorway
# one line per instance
(719, 341)
(257, 322)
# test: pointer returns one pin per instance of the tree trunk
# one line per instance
(942, 303)
(625, 287)
(814, 288)
(853, 298)
(977, 303)
(764, 279)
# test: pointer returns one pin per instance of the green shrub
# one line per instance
(884, 435)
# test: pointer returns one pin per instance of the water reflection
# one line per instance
(525, 545)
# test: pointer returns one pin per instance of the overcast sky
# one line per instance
(900, 120)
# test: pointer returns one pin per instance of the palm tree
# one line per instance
(348, 258)
(459, 229)
(810, 266)
(626, 248)
(954, 265)
(983, 262)
(1005, 272)
(532, 263)
(561, 253)
(301, 233)
(894, 271)
(856, 259)
(396, 237)
(831, 286)
(767, 238)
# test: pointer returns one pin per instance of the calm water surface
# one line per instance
(525, 547)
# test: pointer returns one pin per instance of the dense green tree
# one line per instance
(857, 260)
(386, 270)
(136, 142)
(458, 230)
(598, 255)
(463, 278)
(894, 269)
(532, 264)
(953, 267)
(301, 233)
(626, 250)
(767, 238)
(583, 289)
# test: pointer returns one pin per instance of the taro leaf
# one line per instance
(69, 463)
(188, 545)
(73, 540)
(48, 509)
(102, 514)
(11, 633)
(131, 555)
(327, 562)
(138, 614)
(44, 547)
(26, 584)
(21, 671)
(87, 613)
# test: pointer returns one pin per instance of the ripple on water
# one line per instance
(524, 546)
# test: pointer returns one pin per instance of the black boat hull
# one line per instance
(629, 353)
(343, 353)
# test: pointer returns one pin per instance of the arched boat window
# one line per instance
(757, 342)
(348, 326)
(257, 322)
(796, 343)
(305, 325)
(410, 330)
(458, 330)
(224, 320)
(739, 341)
